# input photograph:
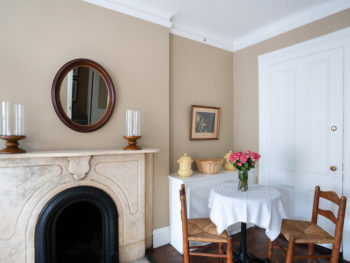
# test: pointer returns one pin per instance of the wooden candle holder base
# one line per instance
(12, 144)
(132, 143)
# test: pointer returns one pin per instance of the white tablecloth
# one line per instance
(260, 205)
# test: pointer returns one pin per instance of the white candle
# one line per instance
(5, 118)
(137, 124)
(128, 122)
(19, 119)
(132, 123)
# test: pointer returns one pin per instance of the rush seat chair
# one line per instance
(305, 232)
(202, 230)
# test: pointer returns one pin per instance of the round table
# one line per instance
(260, 205)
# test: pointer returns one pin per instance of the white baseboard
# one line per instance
(161, 236)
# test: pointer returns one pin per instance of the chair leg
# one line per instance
(229, 250)
(269, 250)
(290, 251)
(220, 251)
(220, 248)
(186, 252)
(310, 251)
(335, 254)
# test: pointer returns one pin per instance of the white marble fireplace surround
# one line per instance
(28, 181)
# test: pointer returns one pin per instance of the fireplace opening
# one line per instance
(79, 224)
(79, 234)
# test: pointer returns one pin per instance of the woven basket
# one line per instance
(209, 166)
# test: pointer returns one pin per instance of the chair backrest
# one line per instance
(183, 212)
(339, 201)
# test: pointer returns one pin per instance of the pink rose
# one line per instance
(255, 156)
(243, 159)
(230, 158)
(239, 164)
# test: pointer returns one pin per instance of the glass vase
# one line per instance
(242, 181)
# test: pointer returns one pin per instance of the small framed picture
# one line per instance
(205, 123)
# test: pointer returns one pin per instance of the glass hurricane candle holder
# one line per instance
(132, 129)
(12, 127)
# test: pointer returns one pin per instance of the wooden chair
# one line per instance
(202, 230)
(305, 232)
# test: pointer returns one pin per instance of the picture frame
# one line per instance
(205, 122)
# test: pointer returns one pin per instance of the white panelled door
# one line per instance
(306, 102)
(301, 124)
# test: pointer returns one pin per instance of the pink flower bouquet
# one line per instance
(243, 162)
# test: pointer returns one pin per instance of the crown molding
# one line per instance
(153, 15)
(164, 17)
(289, 23)
(202, 37)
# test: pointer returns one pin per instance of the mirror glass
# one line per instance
(84, 95)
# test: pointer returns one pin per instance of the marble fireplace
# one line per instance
(113, 186)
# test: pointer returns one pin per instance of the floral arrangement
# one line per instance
(244, 161)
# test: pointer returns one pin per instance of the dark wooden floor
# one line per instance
(256, 242)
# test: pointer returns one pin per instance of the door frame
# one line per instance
(338, 39)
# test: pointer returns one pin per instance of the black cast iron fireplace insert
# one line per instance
(79, 224)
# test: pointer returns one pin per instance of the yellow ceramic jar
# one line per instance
(228, 165)
(185, 163)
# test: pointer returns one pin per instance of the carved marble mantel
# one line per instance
(28, 181)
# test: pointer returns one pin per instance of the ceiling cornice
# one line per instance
(165, 17)
(153, 15)
(202, 37)
(291, 22)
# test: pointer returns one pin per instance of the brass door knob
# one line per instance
(333, 168)
(334, 128)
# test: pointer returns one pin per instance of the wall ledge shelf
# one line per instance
(72, 153)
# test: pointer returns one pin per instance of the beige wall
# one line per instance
(39, 36)
(140, 59)
(245, 76)
(199, 75)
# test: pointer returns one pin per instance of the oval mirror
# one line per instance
(83, 95)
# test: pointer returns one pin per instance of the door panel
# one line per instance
(321, 102)
(316, 118)
(283, 117)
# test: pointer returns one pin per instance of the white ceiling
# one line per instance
(227, 24)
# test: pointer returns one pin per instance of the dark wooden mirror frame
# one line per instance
(55, 94)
